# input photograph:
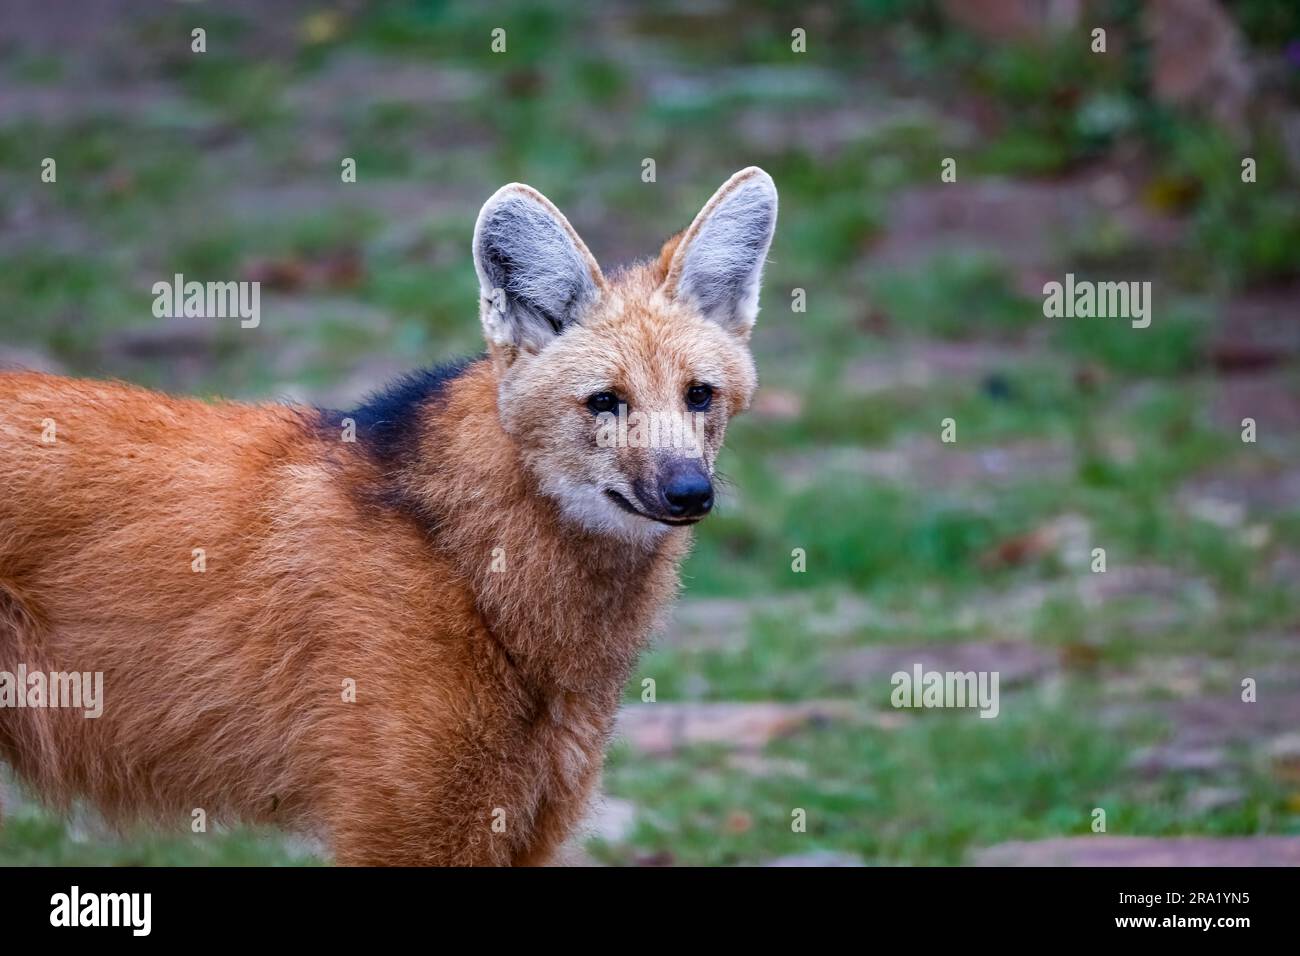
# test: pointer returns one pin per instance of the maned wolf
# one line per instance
(412, 642)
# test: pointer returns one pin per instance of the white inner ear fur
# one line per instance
(536, 276)
(719, 264)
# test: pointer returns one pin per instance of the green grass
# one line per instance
(926, 793)
(33, 838)
(957, 297)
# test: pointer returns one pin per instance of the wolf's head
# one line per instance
(618, 390)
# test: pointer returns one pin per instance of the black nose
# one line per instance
(688, 493)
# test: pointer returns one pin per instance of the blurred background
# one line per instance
(1120, 690)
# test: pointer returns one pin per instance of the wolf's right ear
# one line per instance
(536, 276)
(717, 264)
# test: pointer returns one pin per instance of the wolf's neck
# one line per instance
(572, 609)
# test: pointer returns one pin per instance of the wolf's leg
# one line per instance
(376, 827)
(27, 740)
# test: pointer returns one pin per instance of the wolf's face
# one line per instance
(618, 391)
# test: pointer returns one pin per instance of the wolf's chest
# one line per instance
(568, 751)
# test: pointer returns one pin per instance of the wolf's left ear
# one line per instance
(718, 263)
(535, 275)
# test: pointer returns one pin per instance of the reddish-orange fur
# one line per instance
(223, 689)
(481, 696)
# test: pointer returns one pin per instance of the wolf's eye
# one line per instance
(603, 402)
(698, 397)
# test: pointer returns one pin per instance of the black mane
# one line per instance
(386, 420)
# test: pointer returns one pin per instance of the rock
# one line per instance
(663, 728)
(757, 765)
(305, 847)
(1198, 59)
(1227, 355)
(708, 623)
(1263, 318)
(1284, 566)
(1272, 400)
(924, 363)
(1103, 850)
(1216, 511)
(1014, 19)
(856, 112)
(723, 623)
(388, 80)
(367, 377)
(1161, 760)
(777, 404)
(817, 858)
(929, 463)
(68, 104)
(1223, 721)
(1036, 219)
(168, 338)
(1016, 662)
(611, 819)
(1154, 582)
(1209, 799)
(1181, 676)
(29, 359)
(1227, 497)
(571, 854)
